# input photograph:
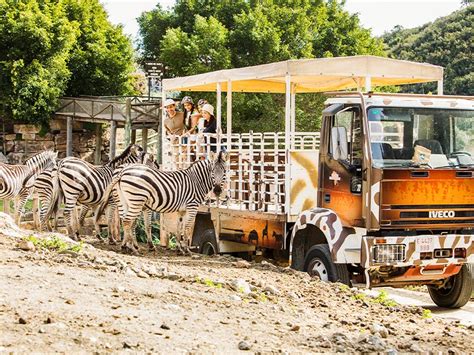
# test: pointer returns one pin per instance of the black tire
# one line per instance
(318, 262)
(457, 290)
(208, 243)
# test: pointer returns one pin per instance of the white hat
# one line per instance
(169, 102)
(208, 108)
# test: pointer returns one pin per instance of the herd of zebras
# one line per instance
(131, 183)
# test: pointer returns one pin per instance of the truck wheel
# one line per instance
(208, 243)
(457, 290)
(318, 262)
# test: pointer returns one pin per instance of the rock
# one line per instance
(70, 302)
(119, 288)
(26, 245)
(271, 290)
(242, 264)
(48, 320)
(235, 298)
(415, 348)
(142, 274)
(22, 320)
(240, 285)
(41, 330)
(293, 295)
(173, 277)
(371, 343)
(165, 327)
(267, 264)
(295, 328)
(377, 328)
(253, 295)
(150, 270)
(243, 345)
(129, 272)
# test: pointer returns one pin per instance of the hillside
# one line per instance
(448, 42)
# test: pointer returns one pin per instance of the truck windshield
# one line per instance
(402, 136)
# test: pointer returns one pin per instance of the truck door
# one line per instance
(341, 163)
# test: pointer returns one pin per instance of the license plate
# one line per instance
(424, 244)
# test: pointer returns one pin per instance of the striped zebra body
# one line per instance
(16, 181)
(139, 187)
(83, 183)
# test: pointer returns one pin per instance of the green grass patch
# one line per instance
(426, 314)
(55, 244)
(383, 299)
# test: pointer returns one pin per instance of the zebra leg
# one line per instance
(191, 212)
(128, 236)
(21, 201)
(147, 222)
(82, 215)
(113, 229)
(70, 204)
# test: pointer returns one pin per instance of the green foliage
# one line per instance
(35, 44)
(383, 299)
(198, 36)
(101, 61)
(51, 48)
(140, 231)
(426, 314)
(55, 243)
(446, 42)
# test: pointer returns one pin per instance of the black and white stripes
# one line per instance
(139, 187)
(16, 180)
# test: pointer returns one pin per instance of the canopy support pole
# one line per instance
(440, 87)
(219, 115)
(287, 139)
(229, 113)
(293, 114)
(368, 83)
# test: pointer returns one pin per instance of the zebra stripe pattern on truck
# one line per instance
(139, 187)
(16, 180)
(81, 182)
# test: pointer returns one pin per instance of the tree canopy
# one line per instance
(446, 42)
(49, 48)
(197, 36)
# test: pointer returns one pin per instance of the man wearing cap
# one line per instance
(174, 122)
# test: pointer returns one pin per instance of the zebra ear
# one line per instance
(223, 156)
(212, 156)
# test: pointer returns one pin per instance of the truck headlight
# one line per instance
(388, 253)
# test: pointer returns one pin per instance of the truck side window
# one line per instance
(351, 120)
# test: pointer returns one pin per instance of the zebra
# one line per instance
(16, 180)
(81, 182)
(139, 187)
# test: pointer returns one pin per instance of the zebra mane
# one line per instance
(43, 156)
(118, 160)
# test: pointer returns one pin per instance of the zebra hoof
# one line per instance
(151, 247)
(113, 242)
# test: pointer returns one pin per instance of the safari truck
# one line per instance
(383, 195)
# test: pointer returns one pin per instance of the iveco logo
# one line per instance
(442, 214)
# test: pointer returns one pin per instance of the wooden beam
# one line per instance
(128, 121)
(134, 136)
(98, 144)
(113, 139)
(145, 139)
(69, 137)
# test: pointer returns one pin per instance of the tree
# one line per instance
(446, 42)
(35, 43)
(102, 57)
(206, 35)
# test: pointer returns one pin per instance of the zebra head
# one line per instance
(132, 154)
(218, 170)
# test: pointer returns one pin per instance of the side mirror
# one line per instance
(339, 143)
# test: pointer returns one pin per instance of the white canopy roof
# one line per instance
(311, 75)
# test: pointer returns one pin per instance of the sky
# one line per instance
(379, 15)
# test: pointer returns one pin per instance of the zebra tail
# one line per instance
(56, 196)
(105, 199)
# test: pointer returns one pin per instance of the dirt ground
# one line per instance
(99, 300)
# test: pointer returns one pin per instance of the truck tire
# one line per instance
(208, 242)
(457, 290)
(318, 262)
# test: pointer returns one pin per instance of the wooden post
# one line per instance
(128, 121)
(113, 137)
(145, 139)
(69, 137)
(134, 136)
(98, 144)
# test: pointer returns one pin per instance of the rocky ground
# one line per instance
(91, 298)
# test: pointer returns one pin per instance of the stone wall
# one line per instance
(21, 141)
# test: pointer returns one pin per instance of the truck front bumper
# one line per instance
(420, 250)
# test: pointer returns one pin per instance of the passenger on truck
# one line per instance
(174, 121)
(210, 125)
(191, 115)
